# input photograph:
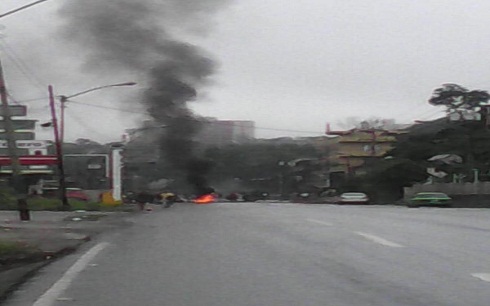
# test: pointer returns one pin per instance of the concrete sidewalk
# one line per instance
(54, 233)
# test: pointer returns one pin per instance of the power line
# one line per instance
(21, 66)
(12, 98)
(205, 122)
(422, 116)
(86, 126)
(110, 108)
(33, 99)
(414, 112)
(430, 114)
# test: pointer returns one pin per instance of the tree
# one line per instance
(467, 139)
(369, 123)
(457, 98)
(258, 165)
(388, 176)
(408, 161)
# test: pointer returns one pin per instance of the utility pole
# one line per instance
(373, 141)
(65, 205)
(281, 164)
(16, 179)
(63, 100)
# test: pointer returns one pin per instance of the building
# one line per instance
(36, 157)
(28, 148)
(354, 148)
(87, 171)
(223, 132)
(142, 144)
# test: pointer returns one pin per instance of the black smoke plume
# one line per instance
(135, 38)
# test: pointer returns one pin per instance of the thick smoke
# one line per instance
(135, 37)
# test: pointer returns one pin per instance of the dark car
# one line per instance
(255, 196)
(437, 199)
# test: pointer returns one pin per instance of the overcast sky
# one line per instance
(291, 66)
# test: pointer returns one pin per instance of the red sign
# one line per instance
(31, 160)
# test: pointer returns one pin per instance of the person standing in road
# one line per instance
(169, 199)
(142, 198)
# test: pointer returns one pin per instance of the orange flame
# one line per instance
(205, 199)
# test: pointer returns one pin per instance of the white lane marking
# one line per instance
(53, 293)
(281, 204)
(319, 222)
(65, 299)
(379, 240)
(482, 276)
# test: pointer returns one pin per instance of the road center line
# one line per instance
(319, 222)
(379, 240)
(53, 293)
(482, 276)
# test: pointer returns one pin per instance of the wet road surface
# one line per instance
(259, 254)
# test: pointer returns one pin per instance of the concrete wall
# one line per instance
(94, 195)
(481, 188)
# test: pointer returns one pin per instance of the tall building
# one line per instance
(222, 132)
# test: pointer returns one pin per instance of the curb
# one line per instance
(12, 279)
(16, 275)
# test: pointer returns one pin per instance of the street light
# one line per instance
(97, 88)
(64, 99)
(59, 137)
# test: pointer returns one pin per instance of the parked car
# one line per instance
(233, 197)
(77, 194)
(353, 198)
(437, 199)
(255, 196)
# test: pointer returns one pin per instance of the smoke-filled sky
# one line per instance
(291, 66)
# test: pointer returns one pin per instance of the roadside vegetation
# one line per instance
(12, 252)
(9, 202)
(9, 248)
(464, 133)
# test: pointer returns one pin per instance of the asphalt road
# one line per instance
(268, 254)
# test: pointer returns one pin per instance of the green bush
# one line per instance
(50, 204)
(7, 196)
(39, 203)
(9, 248)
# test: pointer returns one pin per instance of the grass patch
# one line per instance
(13, 253)
(16, 249)
(49, 204)
(40, 203)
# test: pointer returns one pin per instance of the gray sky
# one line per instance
(287, 65)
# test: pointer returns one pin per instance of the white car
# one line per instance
(354, 198)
